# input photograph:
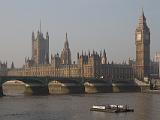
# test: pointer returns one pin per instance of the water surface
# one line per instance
(76, 107)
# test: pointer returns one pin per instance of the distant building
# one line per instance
(154, 70)
(12, 65)
(142, 41)
(3, 68)
(118, 72)
(157, 59)
(91, 66)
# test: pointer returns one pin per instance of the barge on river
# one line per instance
(111, 108)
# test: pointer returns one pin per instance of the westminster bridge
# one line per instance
(50, 85)
(44, 85)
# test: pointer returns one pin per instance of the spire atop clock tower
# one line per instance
(142, 24)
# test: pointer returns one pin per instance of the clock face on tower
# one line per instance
(139, 36)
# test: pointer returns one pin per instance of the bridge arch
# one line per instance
(61, 86)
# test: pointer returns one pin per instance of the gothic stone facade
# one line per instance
(91, 65)
(40, 48)
(88, 66)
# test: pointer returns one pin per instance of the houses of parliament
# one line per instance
(89, 64)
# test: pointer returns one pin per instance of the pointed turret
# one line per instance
(104, 58)
(12, 65)
(33, 37)
(100, 53)
(93, 52)
(47, 36)
(40, 26)
(66, 53)
(78, 55)
(143, 16)
(89, 54)
(38, 35)
(66, 44)
(104, 53)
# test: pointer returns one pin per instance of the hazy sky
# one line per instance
(91, 24)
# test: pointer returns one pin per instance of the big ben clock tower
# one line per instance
(142, 41)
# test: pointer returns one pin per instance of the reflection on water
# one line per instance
(76, 107)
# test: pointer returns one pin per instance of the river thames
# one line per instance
(76, 107)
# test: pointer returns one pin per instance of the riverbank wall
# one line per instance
(125, 88)
(115, 88)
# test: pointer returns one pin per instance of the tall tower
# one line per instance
(104, 58)
(66, 53)
(142, 41)
(40, 48)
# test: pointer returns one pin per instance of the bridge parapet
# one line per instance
(44, 80)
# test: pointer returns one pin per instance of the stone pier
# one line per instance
(56, 87)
